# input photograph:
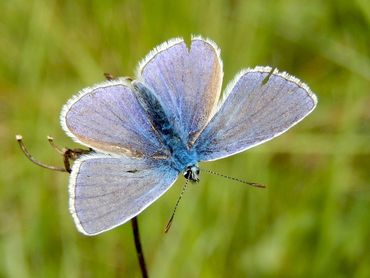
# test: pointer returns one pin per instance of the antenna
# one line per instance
(254, 184)
(168, 226)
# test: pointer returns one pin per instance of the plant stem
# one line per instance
(139, 250)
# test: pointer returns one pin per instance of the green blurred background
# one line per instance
(313, 220)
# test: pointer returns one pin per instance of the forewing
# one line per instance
(108, 191)
(259, 105)
(187, 81)
(108, 118)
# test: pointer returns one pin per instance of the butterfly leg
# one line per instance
(19, 139)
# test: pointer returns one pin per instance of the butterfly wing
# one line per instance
(108, 118)
(107, 191)
(187, 82)
(259, 105)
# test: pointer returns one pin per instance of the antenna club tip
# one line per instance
(257, 185)
(167, 228)
(50, 137)
(18, 137)
(169, 224)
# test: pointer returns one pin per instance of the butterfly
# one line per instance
(145, 132)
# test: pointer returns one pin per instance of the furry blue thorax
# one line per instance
(182, 156)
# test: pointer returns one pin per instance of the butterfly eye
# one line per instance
(187, 173)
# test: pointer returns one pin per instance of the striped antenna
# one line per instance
(254, 184)
(168, 226)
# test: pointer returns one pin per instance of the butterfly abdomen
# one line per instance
(154, 110)
(181, 155)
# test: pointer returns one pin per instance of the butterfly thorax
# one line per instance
(182, 157)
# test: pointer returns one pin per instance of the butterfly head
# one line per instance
(192, 173)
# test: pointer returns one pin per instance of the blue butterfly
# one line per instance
(147, 131)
